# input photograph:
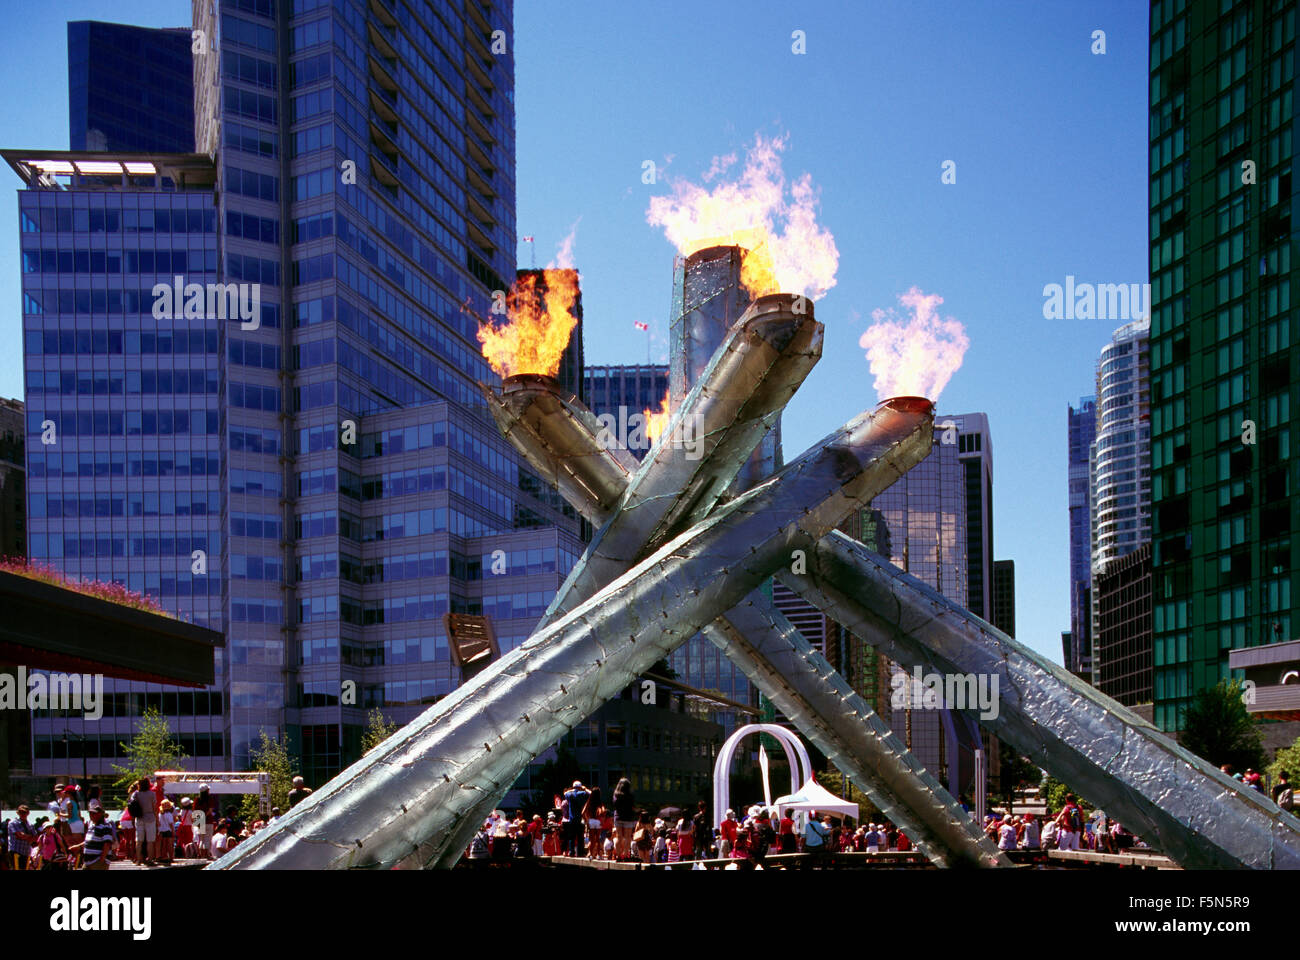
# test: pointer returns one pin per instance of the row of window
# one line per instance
(262, 525)
(134, 505)
(63, 219)
(119, 261)
(129, 383)
(126, 342)
(113, 301)
(180, 503)
(200, 703)
(116, 423)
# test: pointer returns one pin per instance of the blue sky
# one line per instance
(1049, 142)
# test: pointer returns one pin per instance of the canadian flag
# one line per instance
(528, 239)
(640, 326)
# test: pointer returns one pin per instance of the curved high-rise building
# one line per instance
(1119, 458)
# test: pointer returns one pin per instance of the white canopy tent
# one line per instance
(813, 796)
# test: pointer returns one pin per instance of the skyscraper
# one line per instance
(1122, 652)
(921, 524)
(1119, 478)
(1223, 338)
(1081, 427)
(975, 453)
(635, 387)
(13, 480)
(333, 464)
(1004, 597)
(130, 88)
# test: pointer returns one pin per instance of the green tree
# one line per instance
(377, 731)
(272, 757)
(1053, 793)
(1218, 728)
(1288, 759)
(833, 780)
(152, 748)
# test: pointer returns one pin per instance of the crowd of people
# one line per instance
(1067, 829)
(151, 830)
(580, 824)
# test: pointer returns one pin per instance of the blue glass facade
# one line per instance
(124, 421)
(129, 88)
(1081, 424)
(364, 183)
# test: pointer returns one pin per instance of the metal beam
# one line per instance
(1165, 794)
(404, 803)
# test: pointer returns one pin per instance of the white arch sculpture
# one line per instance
(722, 767)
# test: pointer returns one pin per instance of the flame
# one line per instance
(540, 319)
(656, 421)
(796, 257)
(916, 355)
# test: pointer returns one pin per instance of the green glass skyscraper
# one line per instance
(1223, 354)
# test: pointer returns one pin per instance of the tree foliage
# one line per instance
(272, 757)
(151, 748)
(1053, 792)
(833, 780)
(1218, 728)
(1288, 759)
(377, 730)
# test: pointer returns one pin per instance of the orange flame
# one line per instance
(656, 421)
(540, 320)
(798, 257)
(916, 356)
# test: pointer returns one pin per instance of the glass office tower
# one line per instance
(1223, 338)
(1081, 427)
(124, 419)
(129, 88)
(360, 165)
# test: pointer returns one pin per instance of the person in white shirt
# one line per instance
(219, 841)
(1007, 834)
(1050, 831)
(1029, 839)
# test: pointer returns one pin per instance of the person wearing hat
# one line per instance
(299, 793)
(534, 829)
(55, 805)
(100, 840)
(205, 810)
(53, 848)
(185, 824)
(166, 832)
(1029, 835)
(727, 834)
(575, 801)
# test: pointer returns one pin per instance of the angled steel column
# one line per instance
(778, 660)
(558, 436)
(807, 689)
(402, 804)
(1160, 791)
(755, 372)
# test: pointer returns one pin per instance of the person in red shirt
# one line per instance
(534, 829)
(727, 834)
(786, 832)
(903, 842)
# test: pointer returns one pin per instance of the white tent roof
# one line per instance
(813, 796)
